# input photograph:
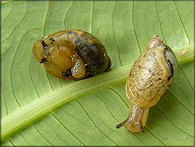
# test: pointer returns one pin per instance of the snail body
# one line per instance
(71, 54)
(150, 76)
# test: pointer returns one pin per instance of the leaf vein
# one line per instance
(155, 136)
(174, 111)
(76, 118)
(173, 123)
(182, 22)
(44, 27)
(5, 19)
(87, 136)
(24, 138)
(5, 105)
(185, 96)
(91, 26)
(129, 40)
(134, 27)
(42, 135)
(15, 27)
(107, 108)
(56, 133)
(68, 130)
(180, 102)
(94, 123)
(67, 14)
(33, 80)
(11, 142)
(160, 23)
(113, 24)
(186, 77)
(118, 96)
(12, 64)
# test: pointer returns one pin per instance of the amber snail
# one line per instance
(150, 76)
(71, 54)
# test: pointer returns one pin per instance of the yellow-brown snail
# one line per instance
(150, 76)
(71, 54)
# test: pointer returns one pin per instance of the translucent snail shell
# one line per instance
(150, 76)
(71, 54)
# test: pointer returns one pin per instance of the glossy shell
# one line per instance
(150, 76)
(71, 54)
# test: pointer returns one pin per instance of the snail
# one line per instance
(150, 76)
(71, 54)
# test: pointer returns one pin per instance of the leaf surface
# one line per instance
(39, 109)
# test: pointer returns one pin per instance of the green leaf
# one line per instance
(39, 109)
